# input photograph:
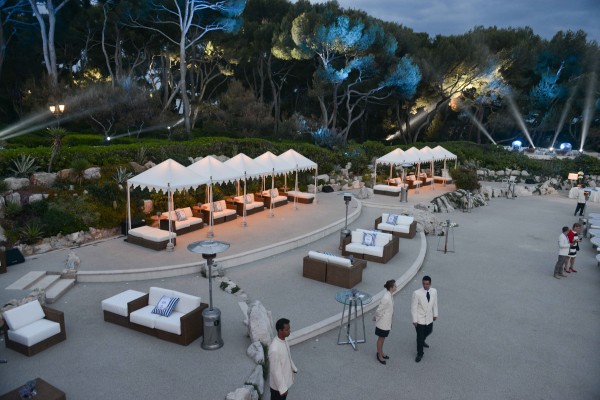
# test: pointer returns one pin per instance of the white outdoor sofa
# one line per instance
(302, 197)
(332, 269)
(149, 237)
(252, 206)
(405, 226)
(133, 309)
(273, 196)
(182, 221)
(221, 213)
(33, 328)
(380, 248)
(387, 190)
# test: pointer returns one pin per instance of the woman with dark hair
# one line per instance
(383, 319)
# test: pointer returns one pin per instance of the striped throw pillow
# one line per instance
(165, 306)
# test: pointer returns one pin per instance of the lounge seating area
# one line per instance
(167, 314)
(252, 205)
(332, 269)
(445, 178)
(412, 181)
(151, 238)
(221, 213)
(302, 197)
(368, 245)
(182, 221)
(33, 328)
(403, 226)
(387, 190)
(273, 196)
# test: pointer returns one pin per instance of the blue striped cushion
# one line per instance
(165, 306)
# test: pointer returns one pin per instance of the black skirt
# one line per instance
(381, 332)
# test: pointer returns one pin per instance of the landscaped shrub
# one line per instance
(465, 178)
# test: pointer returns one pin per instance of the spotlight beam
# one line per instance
(478, 124)
(517, 115)
(588, 112)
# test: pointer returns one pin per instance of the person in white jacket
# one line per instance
(563, 252)
(281, 367)
(383, 319)
(424, 310)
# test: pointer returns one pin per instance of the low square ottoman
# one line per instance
(115, 307)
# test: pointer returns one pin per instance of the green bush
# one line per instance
(465, 178)
(32, 232)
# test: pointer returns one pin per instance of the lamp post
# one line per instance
(344, 233)
(212, 316)
(57, 110)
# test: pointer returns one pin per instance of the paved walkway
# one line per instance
(507, 328)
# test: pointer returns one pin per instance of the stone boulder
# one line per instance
(256, 352)
(323, 177)
(37, 197)
(244, 393)
(524, 173)
(137, 168)
(260, 326)
(256, 379)
(73, 261)
(16, 183)
(13, 198)
(67, 174)
(500, 173)
(45, 179)
(149, 164)
(92, 173)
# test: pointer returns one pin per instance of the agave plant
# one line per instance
(122, 175)
(141, 156)
(31, 233)
(24, 166)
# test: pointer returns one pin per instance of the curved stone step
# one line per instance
(44, 282)
(58, 288)
(26, 280)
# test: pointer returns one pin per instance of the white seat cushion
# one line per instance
(384, 226)
(300, 195)
(194, 220)
(188, 212)
(170, 324)
(381, 240)
(279, 199)
(25, 314)
(181, 224)
(373, 250)
(117, 304)
(357, 236)
(186, 302)
(224, 213)
(35, 332)
(144, 316)
(404, 220)
(356, 248)
(155, 293)
(401, 228)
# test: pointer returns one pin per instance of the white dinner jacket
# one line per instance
(385, 312)
(422, 310)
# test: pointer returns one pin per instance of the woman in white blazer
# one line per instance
(383, 319)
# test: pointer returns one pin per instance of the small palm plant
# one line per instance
(57, 140)
(141, 156)
(24, 166)
(79, 166)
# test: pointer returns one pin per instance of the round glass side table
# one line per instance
(351, 299)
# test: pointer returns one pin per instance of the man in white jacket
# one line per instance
(424, 311)
(563, 252)
(281, 366)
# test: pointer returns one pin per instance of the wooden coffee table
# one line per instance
(44, 391)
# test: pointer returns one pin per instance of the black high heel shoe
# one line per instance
(377, 355)
(386, 357)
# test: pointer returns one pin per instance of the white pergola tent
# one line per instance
(217, 172)
(394, 157)
(275, 166)
(246, 168)
(301, 163)
(168, 176)
(433, 157)
(444, 154)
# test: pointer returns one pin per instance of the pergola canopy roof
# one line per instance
(274, 164)
(298, 160)
(216, 171)
(246, 165)
(168, 175)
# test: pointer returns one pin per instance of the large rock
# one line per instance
(323, 177)
(244, 393)
(13, 198)
(45, 179)
(37, 197)
(499, 173)
(73, 261)
(16, 183)
(92, 173)
(43, 247)
(256, 352)
(524, 173)
(137, 168)
(67, 174)
(256, 379)
(260, 326)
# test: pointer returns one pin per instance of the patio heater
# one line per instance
(404, 188)
(344, 233)
(212, 316)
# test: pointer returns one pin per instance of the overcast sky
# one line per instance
(449, 17)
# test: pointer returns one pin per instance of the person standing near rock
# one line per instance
(281, 367)
(582, 197)
(383, 319)
(563, 252)
(424, 310)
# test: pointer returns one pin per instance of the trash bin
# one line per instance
(404, 194)
(212, 329)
